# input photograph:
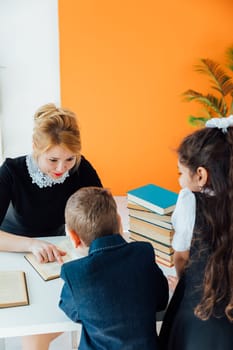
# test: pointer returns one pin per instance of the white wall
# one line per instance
(29, 68)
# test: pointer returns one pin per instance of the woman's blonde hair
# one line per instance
(55, 126)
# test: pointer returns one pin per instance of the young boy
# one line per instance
(117, 289)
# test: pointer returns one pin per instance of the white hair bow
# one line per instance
(220, 123)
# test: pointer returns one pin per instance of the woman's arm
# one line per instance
(43, 251)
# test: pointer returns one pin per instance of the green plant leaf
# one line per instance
(222, 82)
(218, 102)
(215, 106)
(229, 54)
(231, 108)
(197, 121)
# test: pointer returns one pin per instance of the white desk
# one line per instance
(43, 314)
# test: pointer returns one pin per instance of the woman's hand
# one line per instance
(46, 252)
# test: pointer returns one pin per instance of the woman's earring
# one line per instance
(201, 189)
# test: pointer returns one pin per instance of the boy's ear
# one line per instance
(120, 224)
(202, 176)
(74, 237)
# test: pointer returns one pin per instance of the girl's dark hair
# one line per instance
(212, 149)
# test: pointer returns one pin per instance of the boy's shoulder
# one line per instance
(76, 262)
(143, 245)
(144, 248)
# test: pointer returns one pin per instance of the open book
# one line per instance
(13, 290)
(52, 270)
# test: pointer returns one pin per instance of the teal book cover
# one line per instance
(153, 197)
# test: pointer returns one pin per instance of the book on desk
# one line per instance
(13, 291)
(154, 198)
(47, 271)
(150, 208)
(51, 270)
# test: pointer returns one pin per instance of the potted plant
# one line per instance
(219, 101)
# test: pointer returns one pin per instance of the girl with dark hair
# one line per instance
(200, 314)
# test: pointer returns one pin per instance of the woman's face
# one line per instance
(56, 161)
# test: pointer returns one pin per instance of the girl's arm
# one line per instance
(180, 261)
(183, 219)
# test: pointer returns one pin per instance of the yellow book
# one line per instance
(164, 262)
(156, 245)
(150, 217)
(52, 270)
(167, 257)
(146, 229)
(143, 212)
(13, 289)
(132, 205)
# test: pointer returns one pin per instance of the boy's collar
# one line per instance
(107, 242)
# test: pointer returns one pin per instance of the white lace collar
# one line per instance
(39, 178)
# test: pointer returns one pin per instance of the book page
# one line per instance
(13, 291)
(51, 270)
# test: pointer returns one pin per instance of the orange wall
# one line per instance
(124, 65)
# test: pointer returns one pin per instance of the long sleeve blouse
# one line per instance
(28, 210)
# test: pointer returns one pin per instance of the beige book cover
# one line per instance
(146, 229)
(166, 248)
(52, 270)
(13, 290)
(150, 217)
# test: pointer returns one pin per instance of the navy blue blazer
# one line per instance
(115, 293)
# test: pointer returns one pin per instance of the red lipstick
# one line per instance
(58, 174)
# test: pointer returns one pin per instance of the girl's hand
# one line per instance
(46, 252)
(172, 282)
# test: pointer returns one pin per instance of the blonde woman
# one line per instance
(34, 188)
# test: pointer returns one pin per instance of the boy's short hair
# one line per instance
(92, 213)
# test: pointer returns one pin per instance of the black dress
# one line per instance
(181, 329)
(28, 210)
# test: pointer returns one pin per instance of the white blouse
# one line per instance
(183, 219)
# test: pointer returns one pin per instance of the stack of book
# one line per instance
(150, 208)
